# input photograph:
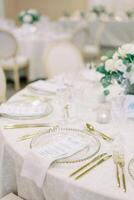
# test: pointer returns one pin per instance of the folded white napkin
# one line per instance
(47, 86)
(23, 108)
(38, 160)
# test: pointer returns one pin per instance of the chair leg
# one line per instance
(16, 79)
(27, 73)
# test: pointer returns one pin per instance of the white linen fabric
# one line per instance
(115, 32)
(33, 41)
(35, 168)
(99, 184)
(38, 160)
(49, 86)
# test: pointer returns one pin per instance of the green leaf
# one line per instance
(106, 92)
(106, 81)
(129, 68)
(110, 54)
(101, 69)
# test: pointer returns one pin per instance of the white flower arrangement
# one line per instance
(118, 68)
(29, 16)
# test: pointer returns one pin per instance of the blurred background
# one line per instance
(94, 27)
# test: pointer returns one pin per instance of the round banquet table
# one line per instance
(99, 184)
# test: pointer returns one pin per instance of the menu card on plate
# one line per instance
(38, 160)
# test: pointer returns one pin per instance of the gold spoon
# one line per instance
(92, 129)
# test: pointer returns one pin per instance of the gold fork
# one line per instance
(120, 163)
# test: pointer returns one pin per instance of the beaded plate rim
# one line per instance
(53, 131)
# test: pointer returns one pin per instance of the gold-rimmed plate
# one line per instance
(21, 110)
(90, 150)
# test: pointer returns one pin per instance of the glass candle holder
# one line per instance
(103, 113)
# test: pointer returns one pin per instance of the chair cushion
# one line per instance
(11, 196)
(21, 61)
(91, 50)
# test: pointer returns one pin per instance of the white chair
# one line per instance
(9, 60)
(62, 57)
(2, 86)
(91, 50)
(11, 196)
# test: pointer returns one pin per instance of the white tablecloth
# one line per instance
(32, 43)
(117, 33)
(99, 184)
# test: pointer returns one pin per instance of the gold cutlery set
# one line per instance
(93, 163)
(89, 128)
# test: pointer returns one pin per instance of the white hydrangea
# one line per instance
(27, 19)
(120, 66)
(126, 49)
(110, 65)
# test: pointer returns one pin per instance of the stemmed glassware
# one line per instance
(119, 120)
(71, 100)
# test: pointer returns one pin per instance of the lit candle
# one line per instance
(103, 115)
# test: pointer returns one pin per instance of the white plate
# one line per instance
(48, 137)
(39, 91)
(25, 109)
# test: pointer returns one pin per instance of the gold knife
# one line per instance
(14, 126)
(87, 164)
(94, 166)
(115, 159)
(124, 181)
